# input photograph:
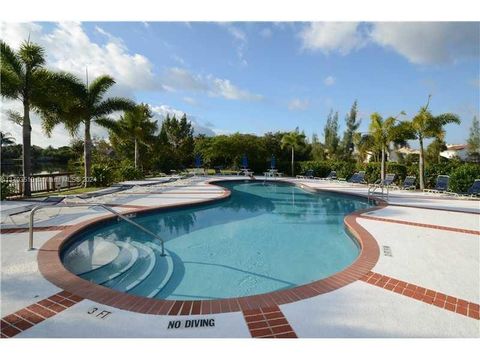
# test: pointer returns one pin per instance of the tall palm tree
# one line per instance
(293, 140)
(24, 78)
(423, 126)
(135, 124)
(6, 138)
(383, 133)
(87, 106)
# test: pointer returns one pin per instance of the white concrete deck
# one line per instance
(441, 260)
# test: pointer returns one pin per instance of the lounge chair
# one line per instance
(408, 183)
(473, 191)
(357, 178)
(308, 175)
(32, 203)
(331, 176)
(382, 184)
(441, 185)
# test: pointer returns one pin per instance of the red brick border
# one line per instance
(25, 318)
(268, 322)
(52, 269)
(428, 296)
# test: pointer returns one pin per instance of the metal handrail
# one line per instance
(32, 215)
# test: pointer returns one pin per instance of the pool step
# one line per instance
(138, 272)
(126, 258)
(160, 275)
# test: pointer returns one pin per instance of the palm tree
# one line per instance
(383, 133)
(87, 106)
(6, 138)
(24, 78)
(293, 140)
(135, 124)
(423, 126)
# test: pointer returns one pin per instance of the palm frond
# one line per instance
(99, 87)
(32, 55)
(108, 123)
(8, 58)
(10, 83)
(111, 105)
(14, 116)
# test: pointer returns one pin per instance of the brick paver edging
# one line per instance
(268, 322)
(428, 296)
(24, 319)
(52, 269)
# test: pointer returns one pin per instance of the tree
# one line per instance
(24, 78)
(433, 151)
(423, 126)
(331, 134)
(177, 136)
(352, 126)
(87, 106)
(293, 140)
(318, 149)
(6, 138)
(384, 132)
(363, 143)
(474, 140)
(135, 125)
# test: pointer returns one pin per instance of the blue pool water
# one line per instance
(265, 237)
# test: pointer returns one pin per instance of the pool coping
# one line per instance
(52, 269)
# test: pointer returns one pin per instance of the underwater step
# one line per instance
(160, 275)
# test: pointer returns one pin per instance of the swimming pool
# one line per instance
(265, 237)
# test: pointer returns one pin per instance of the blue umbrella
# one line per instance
(245, 161)
(272, 162)
(198, 161)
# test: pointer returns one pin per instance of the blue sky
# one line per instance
(259, 77)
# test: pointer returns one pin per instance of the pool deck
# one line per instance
(426, 282)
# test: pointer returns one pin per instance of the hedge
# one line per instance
(463, 177)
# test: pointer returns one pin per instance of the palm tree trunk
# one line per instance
(136, 154)
(421, 166)
(293, 159)
(26, 148)
(87, 153)
(382, 170)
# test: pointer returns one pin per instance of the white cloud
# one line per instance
(224, 88)
(327, 37)
(240, 39)
(329, 80)
(418, 42)
(298, 104)
(160, 112)
(182, 79)
(429, 42)
(69, 48)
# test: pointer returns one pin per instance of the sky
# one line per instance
(256, 77)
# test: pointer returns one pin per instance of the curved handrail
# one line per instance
(123, 217)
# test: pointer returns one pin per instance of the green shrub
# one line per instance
(6, 188)
(344, 169)
(445, 167)
(462, 177)
(372, 171)
(320, 168)
(398, 169)
(128, 172)
(102, 175)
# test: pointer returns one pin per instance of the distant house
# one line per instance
(460, 151)
(394, 154)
